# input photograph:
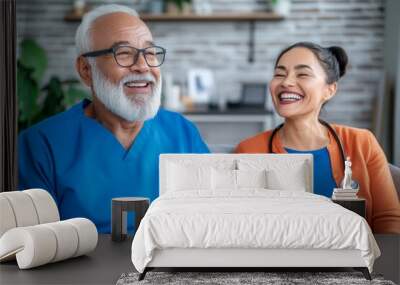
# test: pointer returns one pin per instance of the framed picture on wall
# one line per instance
(254, 95)
(200, 85)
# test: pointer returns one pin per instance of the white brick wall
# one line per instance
(356, 25)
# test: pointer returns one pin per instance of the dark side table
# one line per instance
(356, 205)
(119, 209)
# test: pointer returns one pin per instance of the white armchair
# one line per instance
(31, 231)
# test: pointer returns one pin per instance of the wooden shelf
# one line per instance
(220, 17)
(72, 18)
(251, 18)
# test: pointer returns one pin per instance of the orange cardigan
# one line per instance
(369, 166)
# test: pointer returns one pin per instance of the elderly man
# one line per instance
(110, 146)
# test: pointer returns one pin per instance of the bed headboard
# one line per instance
(237, 161)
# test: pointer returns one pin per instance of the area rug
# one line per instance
(229, 278)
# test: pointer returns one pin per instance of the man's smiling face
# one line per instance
(132, 93)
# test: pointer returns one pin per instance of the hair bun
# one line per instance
(341, 57)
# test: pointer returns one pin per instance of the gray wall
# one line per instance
(388, 125)
(356, 25)
(391, 137)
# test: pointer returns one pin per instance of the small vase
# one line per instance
(282, 7)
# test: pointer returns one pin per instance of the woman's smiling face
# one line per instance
(298, 87)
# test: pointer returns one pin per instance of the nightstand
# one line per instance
(357, 205)
(120, 207)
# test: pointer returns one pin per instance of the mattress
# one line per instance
(250, 219)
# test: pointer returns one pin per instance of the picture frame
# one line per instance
(201, 85)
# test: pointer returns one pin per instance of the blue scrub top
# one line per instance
(84, 166)
(323, 177)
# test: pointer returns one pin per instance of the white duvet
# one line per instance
(250, 219)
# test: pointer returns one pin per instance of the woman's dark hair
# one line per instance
(332, 59)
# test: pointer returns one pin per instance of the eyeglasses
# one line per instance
(127, 56)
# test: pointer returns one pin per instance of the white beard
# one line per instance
(115, 100)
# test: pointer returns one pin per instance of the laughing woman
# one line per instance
(305, 78)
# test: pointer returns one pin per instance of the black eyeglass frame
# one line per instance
(114, 48)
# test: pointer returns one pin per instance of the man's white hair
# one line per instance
(83, 38)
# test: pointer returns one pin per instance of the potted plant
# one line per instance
(37, 101)
(178, 6)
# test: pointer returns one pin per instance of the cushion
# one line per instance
(223, 179)
(31, 232)
(40, 244)
(237, 179)
(45, 206)
(66, 237)
(293, 180)
(26, 208)
(251, 178)
(23, 208)
(7, 218)
(281, 174)
(181, 177)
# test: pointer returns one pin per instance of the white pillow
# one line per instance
(290, 180)
(282, 173)
(251, 178)
(181, 177)
(223, 179)
(236, 179)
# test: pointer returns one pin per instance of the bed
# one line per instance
(247, 211)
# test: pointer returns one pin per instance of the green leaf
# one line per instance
(53, 101)
(179, 3)
(34, 57)
(73, 96)
(27, 92)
